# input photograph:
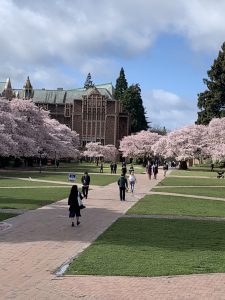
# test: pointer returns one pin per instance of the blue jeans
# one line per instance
(132, 183)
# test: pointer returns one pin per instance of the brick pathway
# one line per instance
(40, 241)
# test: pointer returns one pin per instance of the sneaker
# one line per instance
(78, 223)
(72, 224)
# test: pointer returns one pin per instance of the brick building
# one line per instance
(92, 112)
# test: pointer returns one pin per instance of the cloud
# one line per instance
(168, 109)
(65, 39)
(79, 33)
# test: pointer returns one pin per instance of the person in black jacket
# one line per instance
(123, 185)
(74, 208)
(85, 180)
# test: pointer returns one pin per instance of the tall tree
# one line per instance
(212, 101)
(133, 104)
(88, 82)
(121, 85)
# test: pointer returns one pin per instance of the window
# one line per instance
(94, 114)
(98, 113)
(103, 114)
(89, 113)
(67, 110)
(85, 114)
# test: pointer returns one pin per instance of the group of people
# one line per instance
(113, 167)
(75, 197)
(152, 169)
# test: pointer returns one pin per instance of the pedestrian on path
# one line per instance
(85, 180)
(155, 170)
(101, 168)
(149, 170)
(165, 168)
(122, 183)
(74, 209)
(132, 180)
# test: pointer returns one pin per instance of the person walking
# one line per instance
(111, 167)
(74, 209)
(149, 170)
(124, 169)
(101, 168)
(122, 183)
(115, 168)
(155, 170)
(165, 168)
(131, 169)
(85, 180)
(132, 180)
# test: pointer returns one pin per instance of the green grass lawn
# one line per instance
(4, 182)
(4, 216)
(181, 206)
(31, 198)
(198, 191)
(150, 247)
(96, 179)
(206, 173)
(191, 181)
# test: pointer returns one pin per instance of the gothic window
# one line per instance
(103, 114)
(85, 113)
(67, 110)
(94, 114)
(98, 113)
(89, 113)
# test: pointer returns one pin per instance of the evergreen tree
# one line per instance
(88, 83)
(159, 130)
(121, 85)
(211, 102)
(132, 103)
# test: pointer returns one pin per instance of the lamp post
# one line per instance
(40, 164)
(55, 160)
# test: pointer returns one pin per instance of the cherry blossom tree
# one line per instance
(110, 153)
(216, 138)
(7, 128)
(26, 130)
(139, 145)
(183, 144)
(96, 150)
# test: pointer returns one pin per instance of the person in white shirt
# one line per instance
(132, 181)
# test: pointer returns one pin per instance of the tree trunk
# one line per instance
(183, 165)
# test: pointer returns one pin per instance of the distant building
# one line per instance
(92, 112)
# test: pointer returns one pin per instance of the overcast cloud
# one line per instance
(52, 40)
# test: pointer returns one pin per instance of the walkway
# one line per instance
(40, 241)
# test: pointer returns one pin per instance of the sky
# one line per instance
(166, 47)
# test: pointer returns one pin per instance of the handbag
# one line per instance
(80, 203)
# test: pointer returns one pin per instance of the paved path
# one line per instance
(40, 241)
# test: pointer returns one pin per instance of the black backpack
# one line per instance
(122, 181)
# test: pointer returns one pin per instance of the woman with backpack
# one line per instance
(74, 209)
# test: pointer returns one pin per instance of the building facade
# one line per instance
(92, 112)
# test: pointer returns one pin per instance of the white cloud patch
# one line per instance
(57, 41)
(168, 109)
(82, 33)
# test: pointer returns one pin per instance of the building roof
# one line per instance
(61, 96)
